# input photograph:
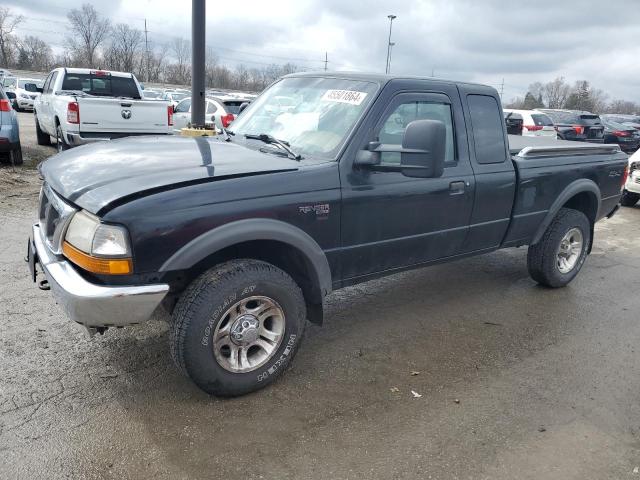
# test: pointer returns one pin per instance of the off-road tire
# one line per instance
(202, 307)
(629, 199)
(42, 137)
(542, 257)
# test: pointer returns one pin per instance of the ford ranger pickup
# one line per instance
(242, 236)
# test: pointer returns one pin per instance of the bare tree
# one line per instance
(89, 33)
(622, 106)
(210, 64)
(180, 72)
(8, 23)
(556, 93)
(34, 54)
(124, 47)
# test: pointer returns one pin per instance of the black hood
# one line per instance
(94, 176)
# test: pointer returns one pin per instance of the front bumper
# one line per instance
(89, 304)
(25, 103)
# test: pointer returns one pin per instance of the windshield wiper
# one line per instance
(271, 140)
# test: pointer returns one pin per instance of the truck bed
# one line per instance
(547, 146)
(547, 169)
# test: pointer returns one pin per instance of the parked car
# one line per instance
(624, 135)
(514, 122)
(242, 236)
(9, 131)
(26, 91)
(109, 103)
(631, 192)
(628, 120)
(219, 112)
(576, 125)
(175, 97)
(535, 123)
(152, 94)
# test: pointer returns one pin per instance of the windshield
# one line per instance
(314, 115)
(10, 82)
(29, 84)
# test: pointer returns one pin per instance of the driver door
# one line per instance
(390, 221)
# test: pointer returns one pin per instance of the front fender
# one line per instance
(250, 230)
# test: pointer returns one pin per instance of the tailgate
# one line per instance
(103, 114)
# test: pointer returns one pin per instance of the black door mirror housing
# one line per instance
(423, 149)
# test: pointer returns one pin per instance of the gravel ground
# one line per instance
(516, 381)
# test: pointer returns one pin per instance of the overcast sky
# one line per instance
(484, 41)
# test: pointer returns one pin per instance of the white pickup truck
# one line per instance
(79, 105)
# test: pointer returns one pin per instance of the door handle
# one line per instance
(457, 188)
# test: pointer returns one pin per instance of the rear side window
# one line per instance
(488, 136)
(233, 106)
(541, 120)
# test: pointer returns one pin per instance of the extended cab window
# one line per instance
(394, 126)
(488, 136)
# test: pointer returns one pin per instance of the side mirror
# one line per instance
(174, 108)
(423, 149)
(11, 95)
(39, 89)
(243, 105)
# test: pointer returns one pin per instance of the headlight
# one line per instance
(97, 247)
(23, 95)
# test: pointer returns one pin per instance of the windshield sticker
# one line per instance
(344, 96)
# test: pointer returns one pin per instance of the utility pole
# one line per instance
(325, 60)
(198, 17)
(391, 18)
(501, 89)
(146, 46)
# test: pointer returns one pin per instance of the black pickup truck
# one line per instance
(324, 181)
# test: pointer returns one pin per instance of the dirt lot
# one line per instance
(517, 381)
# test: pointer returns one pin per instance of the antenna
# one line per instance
(146, 46)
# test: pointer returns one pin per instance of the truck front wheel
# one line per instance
(237, 326)
(629, 199)
(559, 255)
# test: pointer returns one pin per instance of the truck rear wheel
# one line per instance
(42, 137)
(629, 199)
(559, 255)
(237, 326)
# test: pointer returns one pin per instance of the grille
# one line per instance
(54, 215)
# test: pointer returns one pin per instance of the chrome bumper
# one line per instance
(95, 305)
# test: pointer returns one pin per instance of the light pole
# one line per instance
(391, 45)
(391, 18)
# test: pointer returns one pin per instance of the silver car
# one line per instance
(9, 131)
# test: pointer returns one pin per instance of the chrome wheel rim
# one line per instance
(249, 334)
(569, 250)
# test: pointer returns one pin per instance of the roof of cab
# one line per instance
(381, 78)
